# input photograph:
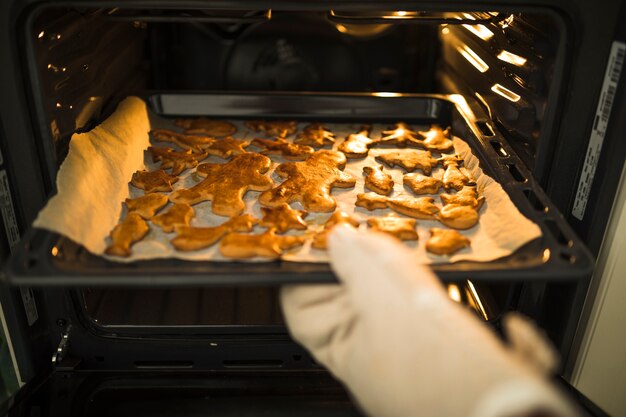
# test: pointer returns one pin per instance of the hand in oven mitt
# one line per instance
(392, 336)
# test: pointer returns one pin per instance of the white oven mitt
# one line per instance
(402, 348)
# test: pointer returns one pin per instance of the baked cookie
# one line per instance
(283, 218)
(410, 160)
(180, 214)
(176, 161)
(215, 128)
(266, 245)
(357, 145)
(147, 205)
(401, 136)
(420, 208)
(315, 135)
(227, 147)
(150, 181)
(276, 128)
(371, 201)
(225, 184)
(437, 140)
(310, 182)
(446, 241)
(195, 238)
(422, 184)
(291, 151)
(403, 229)
(195, 143)
(320, 240)
(458, 217)
(466, 196)
(131, 230)
(378, 181)
(453, 178)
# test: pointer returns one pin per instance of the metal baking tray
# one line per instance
(45, 258)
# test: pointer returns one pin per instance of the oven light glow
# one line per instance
(480, 30)
(386, 94)
(41, 34)
(473, 58)
(58, 36)
(511, 58)
(58, 104)
(341, 28)
(454, 293)
(54, 251)
(445, 31)
(507, 22)
(476, 298)
(401, 13)
(505, 92)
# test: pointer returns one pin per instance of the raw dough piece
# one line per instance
(419, 208)
(378, 181)
(467, 196)
(401, 136)
(195, 143)
(453, 178)
(226, 184)
(266, 245)
(214, 128)
(153, 180)
(437, 140)
(320, 240)
(196, 238)
(132, 229)
(357, 145)
(227, 147)
(147, 205)
(458, 217)
(283, 218)
(291, 151)
(403, 229)
(421, 184)
(180, 214)
(310, 182)
(277, 128)
(410, 160)
(177, 161)
(446, 241)
(315, 135)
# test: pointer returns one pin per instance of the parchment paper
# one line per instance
(93, 183)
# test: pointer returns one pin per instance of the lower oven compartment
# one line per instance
(45, 258)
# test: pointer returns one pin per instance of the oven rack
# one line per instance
(558, 255)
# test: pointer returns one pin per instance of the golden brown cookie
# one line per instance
(310, 182)
(291, 151)
(266, 245)
(153, 180)
(446, 241)
(226, 184)
(420, 208)
(320, 240)
(378, 181)
(177, 161)
(196, 238)
(315, 135)
(371, 201)
(403, 229)
(283, 218)
(277, 128)
(453, 178)
(466, 196)
(147, 205)
(180, 214)
(437, 140)
(214, 128)
(132, 229)
(195, 143)
(422, 184)
(357, 145)
(410, 160)
(227, 147)
(401, 136)
(458, 217)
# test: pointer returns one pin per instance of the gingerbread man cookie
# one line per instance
(291, 151)
(266, 245)
(403, 229)
(196, 238)
(466, 196)
(320, 240)
(357, 145)
(195, 143)
(177, 161)
(446, 241)
(378, 181)
(315, 135)
(283, 218)
(437, 140)
(276, 128)
(227, 147)
(147, 205)
(453, 178)
(179, 214)
(226, 184)
(214, 128)
(131, 230)
(410, 160)
(422, 184)
(310, 182)
(401, 136)
(150, 181)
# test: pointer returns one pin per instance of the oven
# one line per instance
(537, 86)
